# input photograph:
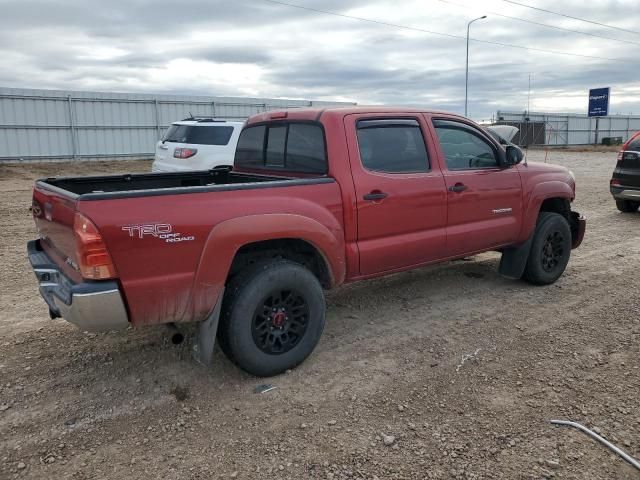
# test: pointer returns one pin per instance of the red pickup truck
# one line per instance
(316, 198)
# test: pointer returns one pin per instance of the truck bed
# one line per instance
(175, 274)
(149, 184)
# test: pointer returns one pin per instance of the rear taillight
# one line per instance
(94, 260)
(184, 152)
(615, 183)
(620, 154)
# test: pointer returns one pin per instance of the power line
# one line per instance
(431, 32)
(544, 24)
(571, 17)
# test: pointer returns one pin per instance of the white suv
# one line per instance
(197, 144)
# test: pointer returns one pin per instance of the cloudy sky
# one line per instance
(261, 48)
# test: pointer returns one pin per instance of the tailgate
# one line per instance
(628, 169)
(54, 213)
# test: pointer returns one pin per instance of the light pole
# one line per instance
(466, 77)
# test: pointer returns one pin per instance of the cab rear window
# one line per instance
(295, 147)
(199, 135)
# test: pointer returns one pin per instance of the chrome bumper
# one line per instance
(91, 306)
(625, 194)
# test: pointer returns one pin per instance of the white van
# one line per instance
(197, 144)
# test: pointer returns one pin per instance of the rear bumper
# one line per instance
(91, 306)
(625, 193)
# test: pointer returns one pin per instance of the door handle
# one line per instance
(375, 195)
(458, 188)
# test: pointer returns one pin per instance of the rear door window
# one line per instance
(199, 134)
(392, 146)
(295, 147)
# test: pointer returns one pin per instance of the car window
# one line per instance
(296, 147)
(305, 148)
(209, 135)
(463, 148)
(392, 146)
(199, 135)
(276, 138)
(250, 148)
(175, 133)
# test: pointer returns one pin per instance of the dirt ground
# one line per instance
(463, 368)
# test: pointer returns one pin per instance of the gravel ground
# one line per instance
(444, 372)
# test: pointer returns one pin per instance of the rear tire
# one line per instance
(550, 249)
(627, 206)
(272, 317)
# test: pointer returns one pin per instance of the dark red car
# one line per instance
(316, 198)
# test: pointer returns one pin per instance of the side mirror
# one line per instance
(514, 155)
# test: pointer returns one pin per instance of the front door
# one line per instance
(400, 193)
(484, 198)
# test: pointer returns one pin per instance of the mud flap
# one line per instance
(205, 343)
(514, 260)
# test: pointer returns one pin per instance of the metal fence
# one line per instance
(54, 124)
(568, 129)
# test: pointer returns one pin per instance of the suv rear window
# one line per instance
(199, 135)
(296, 147)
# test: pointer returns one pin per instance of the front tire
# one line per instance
(627, 206)
(273, 316)
(550, 250)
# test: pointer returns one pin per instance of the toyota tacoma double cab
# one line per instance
(316, 199)
(625, 182)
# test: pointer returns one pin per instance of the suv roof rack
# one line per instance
(202, 118)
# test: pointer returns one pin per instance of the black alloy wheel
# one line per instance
(280, 322)
(552, 251)
(272, 317)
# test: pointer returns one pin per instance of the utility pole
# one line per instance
(466, 78)
(529, 96)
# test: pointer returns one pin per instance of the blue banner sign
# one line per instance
(599, 102)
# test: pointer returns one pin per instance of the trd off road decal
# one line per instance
(163, 231)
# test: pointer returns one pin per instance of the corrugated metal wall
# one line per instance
(50, 124)
(575, 129)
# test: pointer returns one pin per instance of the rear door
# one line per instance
(484, 200)
(400, 193)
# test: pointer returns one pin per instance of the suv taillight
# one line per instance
(94, 260)
(184, 152)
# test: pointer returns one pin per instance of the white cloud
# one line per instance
(257, 48)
